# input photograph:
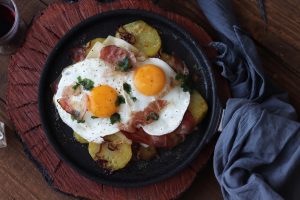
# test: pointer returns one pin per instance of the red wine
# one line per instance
(7, 19)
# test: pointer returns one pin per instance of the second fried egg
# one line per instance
(153, 80)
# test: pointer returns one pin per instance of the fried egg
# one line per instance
(101, 99)
(154, 79)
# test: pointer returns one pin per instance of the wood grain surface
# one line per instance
(278, 45)
(277, 42)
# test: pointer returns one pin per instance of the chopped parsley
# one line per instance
(115, 118)
(127, 89)
(184, 82)
(152, 116)
(120, 100)
(76, 86)
(124, 65)
(94, 117)
(86, 83)
(78, 120)
(134, 99)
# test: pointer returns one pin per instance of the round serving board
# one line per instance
(22, 98)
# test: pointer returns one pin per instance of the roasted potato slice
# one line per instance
(198, 106)
(79, 139)
(146, 153)
(115, 157)
(94, 148)
(117, 138)
(115, 152)
(146, 38)
(91, 43)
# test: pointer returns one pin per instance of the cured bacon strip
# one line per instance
(141, 118)
(63, 102)
(76, 109)
(77, 54)
(177, 65)
(166, 141)
(69, 91)
(187, 124)
(114, 55)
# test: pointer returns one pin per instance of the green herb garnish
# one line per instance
(127, 88)
(76, 86)
(80, 121)
(184, 82)
(86, 83)
(120, 100)
(94, 117)
(152, 116)
(124, 65)
(115, 118)
(134, 99)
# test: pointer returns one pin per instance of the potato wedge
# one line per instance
(198, 106)
(94, 148)
(91, 43)
(79, 139)
(146, 38)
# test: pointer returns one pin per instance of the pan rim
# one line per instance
(215, 105)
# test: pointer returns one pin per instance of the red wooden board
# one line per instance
(23, 77)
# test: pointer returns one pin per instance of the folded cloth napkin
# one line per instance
(257, 155)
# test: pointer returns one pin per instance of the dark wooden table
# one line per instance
(278, 44)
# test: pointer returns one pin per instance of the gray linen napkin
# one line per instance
(257, 155)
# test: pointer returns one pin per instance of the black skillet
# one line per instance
(136, 173)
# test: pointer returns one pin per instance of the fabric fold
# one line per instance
(257, 155)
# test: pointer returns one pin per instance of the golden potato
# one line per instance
(145, 37)
(117, 138)
(116, 156)
(79, 139)
(91, 43)
(198, 106)
(115, 151)
(94, 148)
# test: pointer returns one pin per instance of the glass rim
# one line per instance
(15, 26)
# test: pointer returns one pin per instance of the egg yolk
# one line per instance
(102, 101)
(149, 79)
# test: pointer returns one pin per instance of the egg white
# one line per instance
(172, 114)
(101, 73)
(98, 71)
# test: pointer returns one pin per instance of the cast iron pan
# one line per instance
(136, 173)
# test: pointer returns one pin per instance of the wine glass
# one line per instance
(12, 28)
